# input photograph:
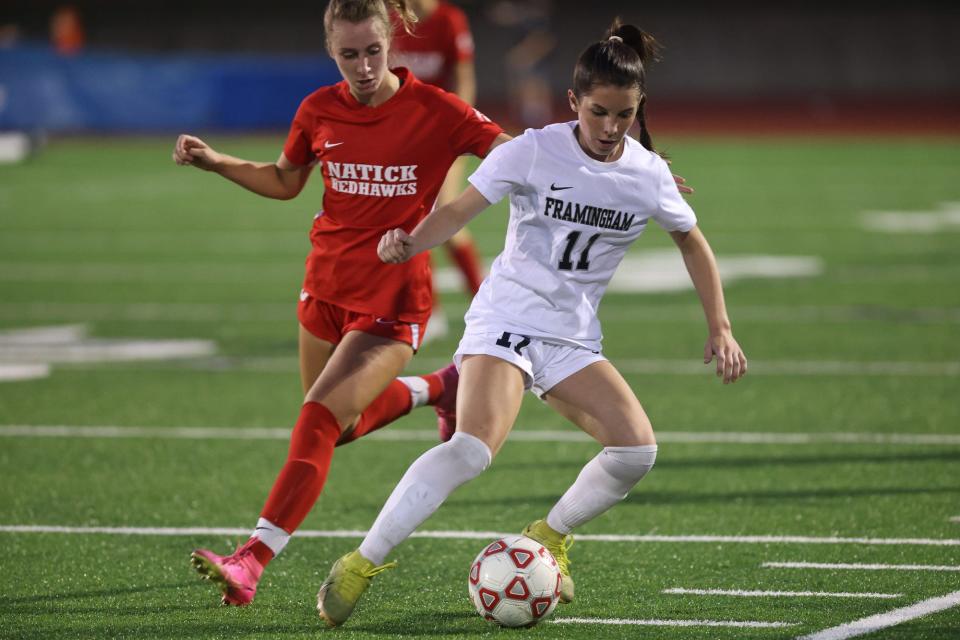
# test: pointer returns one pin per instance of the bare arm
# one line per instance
(465, 81)
(702, 267)
(398, 246)
(282, 179)
(499, 140)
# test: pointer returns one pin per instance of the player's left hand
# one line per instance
(731, 361)
(395, 246)
(682, 184)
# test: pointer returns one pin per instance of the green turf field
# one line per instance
(841, 447)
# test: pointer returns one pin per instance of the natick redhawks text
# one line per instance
(372, 179)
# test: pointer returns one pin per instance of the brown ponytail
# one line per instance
(620, 59)
(359, 10)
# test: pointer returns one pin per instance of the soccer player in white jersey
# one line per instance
(580, 194)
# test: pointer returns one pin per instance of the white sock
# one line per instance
(271, 535)
(419, 390)
(426, 484)
(602, 483)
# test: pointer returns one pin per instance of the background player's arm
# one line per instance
(702, 267)
(499, 140)
(282, 179)
(398, 246)
(465, 81)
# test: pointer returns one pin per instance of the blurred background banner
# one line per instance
(112, 65)
(153, 92)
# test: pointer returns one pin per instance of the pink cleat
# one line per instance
(235, 575)
(446, 404)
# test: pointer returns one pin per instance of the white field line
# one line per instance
(481, 535)
(15, 372)
(946, 219)
(860, 567)
(160, 311)
(888, 619)
(955, 519)
(418, 435)
(676, 623)
(61, 334)
(104, 350)
(779, 594)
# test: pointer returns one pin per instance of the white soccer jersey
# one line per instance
(572, 219)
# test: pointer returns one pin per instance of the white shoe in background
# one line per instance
(438, 328)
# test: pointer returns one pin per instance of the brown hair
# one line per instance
(359, 10)
(620, 59)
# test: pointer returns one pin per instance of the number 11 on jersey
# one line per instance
(583, 263)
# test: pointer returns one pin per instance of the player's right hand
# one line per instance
(395, 246)
(190, 150)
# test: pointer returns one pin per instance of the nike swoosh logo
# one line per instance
(385, 321)
(331, 145)
(554, 187)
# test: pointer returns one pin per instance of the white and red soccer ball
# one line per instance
(514, 582)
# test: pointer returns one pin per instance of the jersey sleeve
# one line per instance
(506, 169)
(298, 146)
(471, 131)
(673, 212)
(462, 38)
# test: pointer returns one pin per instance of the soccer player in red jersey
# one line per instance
(440, 52)
(383, 141)
(440, 49)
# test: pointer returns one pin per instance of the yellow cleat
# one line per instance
(349, 578)
(557, 544)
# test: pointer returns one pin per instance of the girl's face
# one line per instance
(360, 51)
(605, 115)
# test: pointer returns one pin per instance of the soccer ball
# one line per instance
(514, 582)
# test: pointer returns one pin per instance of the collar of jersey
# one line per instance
(593, 162)
(406, 80)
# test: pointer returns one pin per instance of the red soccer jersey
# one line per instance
(382, 168)
(438, 43)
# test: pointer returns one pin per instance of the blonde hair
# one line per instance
(356, 11)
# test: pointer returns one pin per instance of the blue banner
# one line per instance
(99, 91)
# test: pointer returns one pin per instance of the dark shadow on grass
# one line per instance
(211, 628)
(810, 459)
(641, 497)
(97, 593)
(114, 610)
(690, 497)
(664, 461)
(435, 623)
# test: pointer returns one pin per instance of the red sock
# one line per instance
(468, 261)
(261, 552)
(394, 402)
(301, 480)
(435, 385)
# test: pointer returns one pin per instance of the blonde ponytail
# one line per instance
(359, 10)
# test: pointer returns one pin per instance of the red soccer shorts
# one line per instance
(330, 322)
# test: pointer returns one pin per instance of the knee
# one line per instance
(628, 464)
(345, 416)
(469, 453)
(630, 433)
